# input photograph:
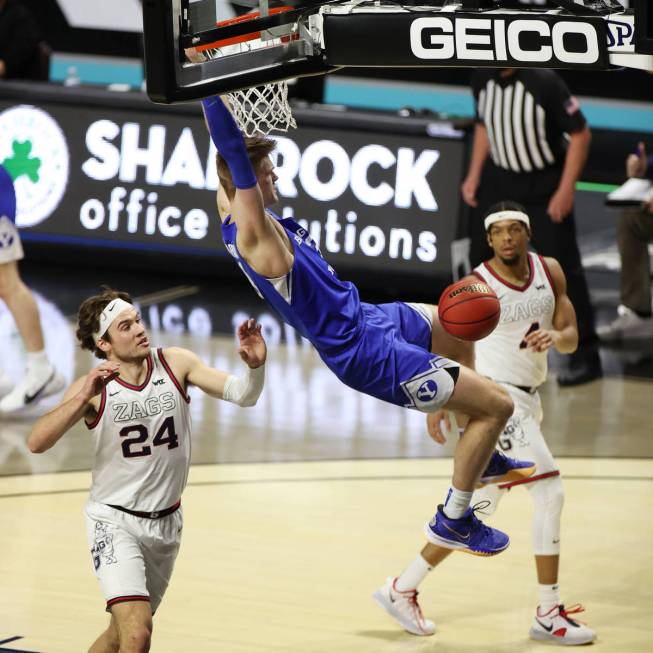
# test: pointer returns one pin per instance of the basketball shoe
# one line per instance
(6, 384)
(32, 389)
(558, 627)
(503, 469)
(403, 608)
(627, 325)
(468, 534)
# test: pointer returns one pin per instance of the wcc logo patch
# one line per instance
(34, 152)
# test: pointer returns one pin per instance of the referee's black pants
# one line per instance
(533, 191)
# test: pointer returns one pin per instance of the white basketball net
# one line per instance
(262, 109)
(258, 110)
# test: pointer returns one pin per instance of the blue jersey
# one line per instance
(381, 350)
(311, 298)
(7, 196)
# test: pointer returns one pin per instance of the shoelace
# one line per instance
(480, 506)
(573, 609)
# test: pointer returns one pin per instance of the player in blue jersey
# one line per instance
(381, 350)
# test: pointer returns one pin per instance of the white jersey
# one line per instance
(502, 356)
(142, 441)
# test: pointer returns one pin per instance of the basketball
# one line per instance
(469, 310)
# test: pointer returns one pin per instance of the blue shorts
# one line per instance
(391, 359)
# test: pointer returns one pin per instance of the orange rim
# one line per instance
(243, 38)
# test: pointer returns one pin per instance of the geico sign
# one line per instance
(484, 39)
(406, 175)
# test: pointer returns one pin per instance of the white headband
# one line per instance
(507, 215)
(109, 314)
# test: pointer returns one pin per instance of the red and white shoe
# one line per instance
(557, 627)
(403, 608)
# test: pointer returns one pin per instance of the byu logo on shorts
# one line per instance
(7, 232)
(430, 389)
(34, 151)
(427, 391)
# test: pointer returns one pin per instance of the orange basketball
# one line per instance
(469, 310)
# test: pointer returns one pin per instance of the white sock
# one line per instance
(413, 575)
(549, 597)
(38, 363)
(457, 502)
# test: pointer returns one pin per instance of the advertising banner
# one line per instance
(112, 177)
(494, 40)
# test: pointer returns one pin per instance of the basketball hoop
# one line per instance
(258, 110)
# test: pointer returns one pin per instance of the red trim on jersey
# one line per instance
(103, 401)
(477, 274)
(531, 276)
(548, 275)
(148, 376)
(126, 599)
(530, 479)
(173, 378)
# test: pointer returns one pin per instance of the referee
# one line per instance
(530, 145)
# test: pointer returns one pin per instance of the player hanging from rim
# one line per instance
(536, 314)
(381, 350)
(137, 406)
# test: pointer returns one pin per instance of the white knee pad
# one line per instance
(548, 497)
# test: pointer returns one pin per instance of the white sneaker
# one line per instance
(558, 627)
(627, 325)
(404, 608)
(31, 390)
(6, 384)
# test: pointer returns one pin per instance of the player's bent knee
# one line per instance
(138, 640)
(501, 405)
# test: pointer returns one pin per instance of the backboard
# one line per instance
(276, 45)
(299, 38)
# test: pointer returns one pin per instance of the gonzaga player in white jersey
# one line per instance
(536, 314)
(136, 405)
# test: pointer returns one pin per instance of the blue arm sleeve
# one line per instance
(229, 141)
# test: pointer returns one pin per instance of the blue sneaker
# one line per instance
(503, 469)
(467, 534)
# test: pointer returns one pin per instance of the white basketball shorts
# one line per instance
(522, 437)
(133, 557)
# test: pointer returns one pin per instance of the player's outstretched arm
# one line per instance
(241, 390)
(247, 207)
(564, 335)
(78, 402)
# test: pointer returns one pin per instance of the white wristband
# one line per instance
(244, 390)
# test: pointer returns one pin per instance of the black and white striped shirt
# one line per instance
(527, 115)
